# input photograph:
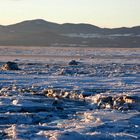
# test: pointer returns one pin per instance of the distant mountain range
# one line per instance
(43, 33)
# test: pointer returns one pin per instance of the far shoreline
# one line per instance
(49, 46)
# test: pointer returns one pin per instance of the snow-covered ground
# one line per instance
(28, 112)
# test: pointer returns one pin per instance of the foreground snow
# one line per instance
(29, 111)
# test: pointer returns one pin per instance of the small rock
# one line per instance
(10, 66)
(107, 99)
(122, 103)
(129, 99)
(73, 62)
(105, 102)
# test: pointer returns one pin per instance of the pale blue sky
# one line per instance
(103, 13)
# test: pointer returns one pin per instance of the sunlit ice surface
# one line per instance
(95, 97)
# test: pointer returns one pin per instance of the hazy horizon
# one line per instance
(102, 13)
(68, 23)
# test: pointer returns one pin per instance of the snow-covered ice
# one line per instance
(48, 99)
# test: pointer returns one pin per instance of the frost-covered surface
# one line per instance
(27, 111)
